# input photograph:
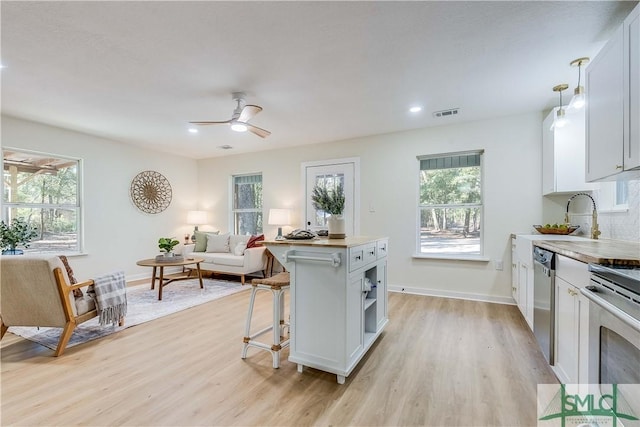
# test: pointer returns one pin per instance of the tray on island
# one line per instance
(556, 230)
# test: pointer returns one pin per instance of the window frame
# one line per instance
(233, 211)
(78, 207)
(481, 206)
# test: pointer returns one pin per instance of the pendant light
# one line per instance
(578, 100)
(559, 120)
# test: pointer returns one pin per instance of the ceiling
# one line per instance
(138, 72)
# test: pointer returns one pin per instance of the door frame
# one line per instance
(356, 187)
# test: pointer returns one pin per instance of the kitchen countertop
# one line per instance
(612, 252)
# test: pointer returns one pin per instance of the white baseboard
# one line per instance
(451, 294)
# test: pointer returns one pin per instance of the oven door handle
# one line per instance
(615, 311)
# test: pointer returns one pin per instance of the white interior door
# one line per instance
(331, 173)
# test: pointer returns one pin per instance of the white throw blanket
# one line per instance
(110, 293)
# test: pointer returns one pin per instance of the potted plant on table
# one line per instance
(166, 245)
(19, 232)
(331, 201)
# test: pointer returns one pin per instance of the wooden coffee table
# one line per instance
(165, 281)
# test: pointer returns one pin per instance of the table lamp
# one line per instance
(196, 218)
(279, 217)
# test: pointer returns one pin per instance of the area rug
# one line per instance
(142, 306)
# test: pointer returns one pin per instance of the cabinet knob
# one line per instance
(572, 292)
(618, 166)
(513, 288)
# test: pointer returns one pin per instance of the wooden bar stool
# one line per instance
(277, 285)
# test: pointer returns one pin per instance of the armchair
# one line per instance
(35, 291)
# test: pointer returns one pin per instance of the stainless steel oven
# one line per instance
(614, 329)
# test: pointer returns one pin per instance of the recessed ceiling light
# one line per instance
(415, 109)
(193, 130)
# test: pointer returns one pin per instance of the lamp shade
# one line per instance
(196, 217)
(279, 217)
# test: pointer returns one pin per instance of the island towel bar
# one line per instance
(334, 259)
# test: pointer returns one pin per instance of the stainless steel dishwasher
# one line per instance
(544, 300)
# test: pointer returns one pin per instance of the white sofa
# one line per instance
(253, 260)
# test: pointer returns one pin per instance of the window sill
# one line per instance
(479, 258)
(614, 210)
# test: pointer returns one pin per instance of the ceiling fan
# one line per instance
(239, 121)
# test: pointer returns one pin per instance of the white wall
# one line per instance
(389, 171)
(117, 234)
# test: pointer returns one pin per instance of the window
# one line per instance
(247, 204)
(613, 196)
(450, 205)
(331, 182)
(44, 190)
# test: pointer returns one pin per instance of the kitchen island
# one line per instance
(338, 299)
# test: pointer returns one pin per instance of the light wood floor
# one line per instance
(440, 362)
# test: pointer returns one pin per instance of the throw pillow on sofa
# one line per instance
(218, 243)
(234, 239)
(253, 241)
(238, 250)
(201, 240)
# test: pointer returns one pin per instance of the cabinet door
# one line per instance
(605, 110)
(566, 333)
(522, 289)
(632, 89)
(355, 315)
(381, 309)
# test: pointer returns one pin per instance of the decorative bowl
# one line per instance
(550, 230)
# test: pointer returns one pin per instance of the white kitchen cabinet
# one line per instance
(524, 267)
(571, 307)
(631, 68)
(338, 300)
(563, 155)
(613, 105)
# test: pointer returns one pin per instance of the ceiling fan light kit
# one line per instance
(239, 120)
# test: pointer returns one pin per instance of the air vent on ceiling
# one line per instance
(446, 113)
(225, 147)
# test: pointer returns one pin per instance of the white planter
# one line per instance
(336, 227)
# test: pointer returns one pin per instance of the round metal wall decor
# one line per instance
(151, 192)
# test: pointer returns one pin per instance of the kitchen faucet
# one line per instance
(594, 215)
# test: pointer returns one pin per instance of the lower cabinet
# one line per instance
(567, 331)
(525, 292)
(571, 309)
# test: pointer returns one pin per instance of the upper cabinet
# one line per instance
(563, 155)
(613, 105)
(632, 80)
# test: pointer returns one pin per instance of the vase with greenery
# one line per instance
(19, 232)
(166, 245)
(332, 202)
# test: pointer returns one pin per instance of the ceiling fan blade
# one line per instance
(248, 112)
(262, 133)
(211, 123)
